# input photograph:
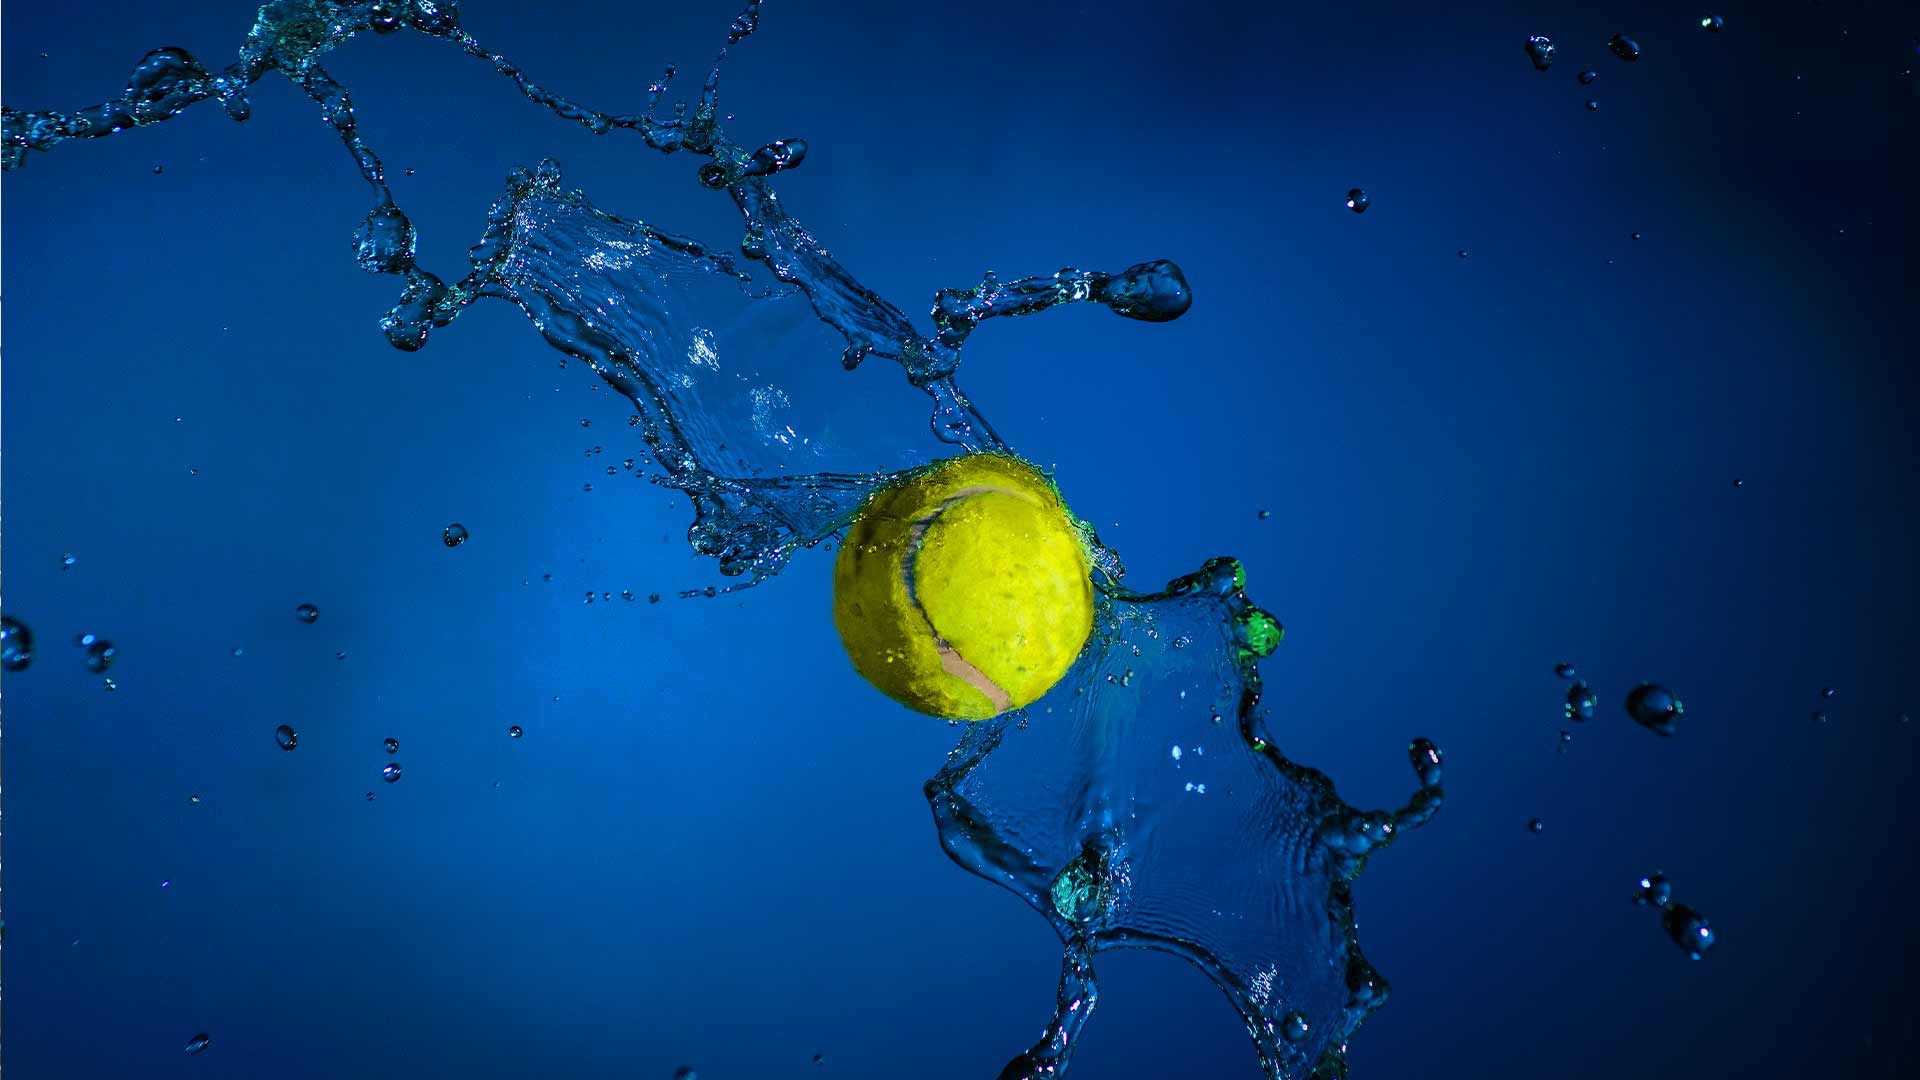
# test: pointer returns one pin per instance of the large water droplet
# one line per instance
(16, 644)
(199, 1043)
(1688, 929)
(1540, 51)
(1655, 708)
(392, 772)
(384, 243)
(1653, 889)
(391, 745)
(307, 613)
(1358, 200)
(100, 656)
(286, 737)
(1624, 47)
(1150, 292)
(454, 535)
(1259, 632)
(1581, 701)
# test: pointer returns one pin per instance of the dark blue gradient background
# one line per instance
(710, 847)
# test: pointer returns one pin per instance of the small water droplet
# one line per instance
(819, 1059)
(686, 1072)
(391, 745)
(1635, 235)
(16, 644)
(194, 798)
(391, 772)
(1592, 105)
(238, 651)
(1358, 200)
(1587, 77)
(1461, 254)
(586, 422)
(1712, 24)
(1737, 482)
(369, 796)
(167, 884)
(67, 561)
(653, 598)
(341, 655)
(1564, 670)
(1581, 701)
(515, 732)
(158, 169)
(1535, 825)
(1540, 51)
(286, 737)
(1624, 47)
(1293, 1026)
(307, 613)
(1265, 514)
(1565, 738)
(454, 535)
(1655, 708)
(199, 1043)
(1828, 692)
(1654, 889)
(1819, 716)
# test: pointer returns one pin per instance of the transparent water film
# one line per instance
(1144, 802)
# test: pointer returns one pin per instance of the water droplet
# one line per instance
(199, 1043)
(194, 799)
(16, 644)
(1624, 47)
(167, 884)
(515, 732)
(1564, 670)
(1592, 105)
(384, 20)
(1654, 889)
(1819, 716)
(286, 737)
(1149, 292)
(1535, 825)
(341, 655)
(1265, 514)
(1635, 236)
(1712, 24)
(391, 745)
(1565, 738)
(67, 561)
(1358, 200)
(100, 656)
(1462, 253)
(1688, 929)
(819, 1059)
(454, 535)
(369, 796)
(385, 241)
(1737, 482)
(1293, 1026)
(1655, 708)
(1828, 692)
(686, 1072)
(158, 169)
(653, 598)
(1426, 760)
(392, 772)
(1587, 77)
(627, 595)
(1581, 701)
(1540, 51)
(307, 613)
(238, 651)
(1259, 632)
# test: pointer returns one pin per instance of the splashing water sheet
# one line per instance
(1224, 851)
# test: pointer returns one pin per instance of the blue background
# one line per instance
(711, 848)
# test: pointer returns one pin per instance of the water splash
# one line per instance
(1233, 856)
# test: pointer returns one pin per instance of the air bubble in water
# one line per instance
(307, 613)
(286, 737)
(1688, 929)
(392, 772)
(1581, 701)
(16, 644)
(1624, 47)
(454, 535)
(1655, 708)
(199, 1043)
(1358, 200)
(391, 745)
(1540, 51)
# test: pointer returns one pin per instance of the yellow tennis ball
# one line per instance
(964, 591)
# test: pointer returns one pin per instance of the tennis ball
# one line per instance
(964, 591)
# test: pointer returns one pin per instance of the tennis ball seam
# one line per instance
(951, 661)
